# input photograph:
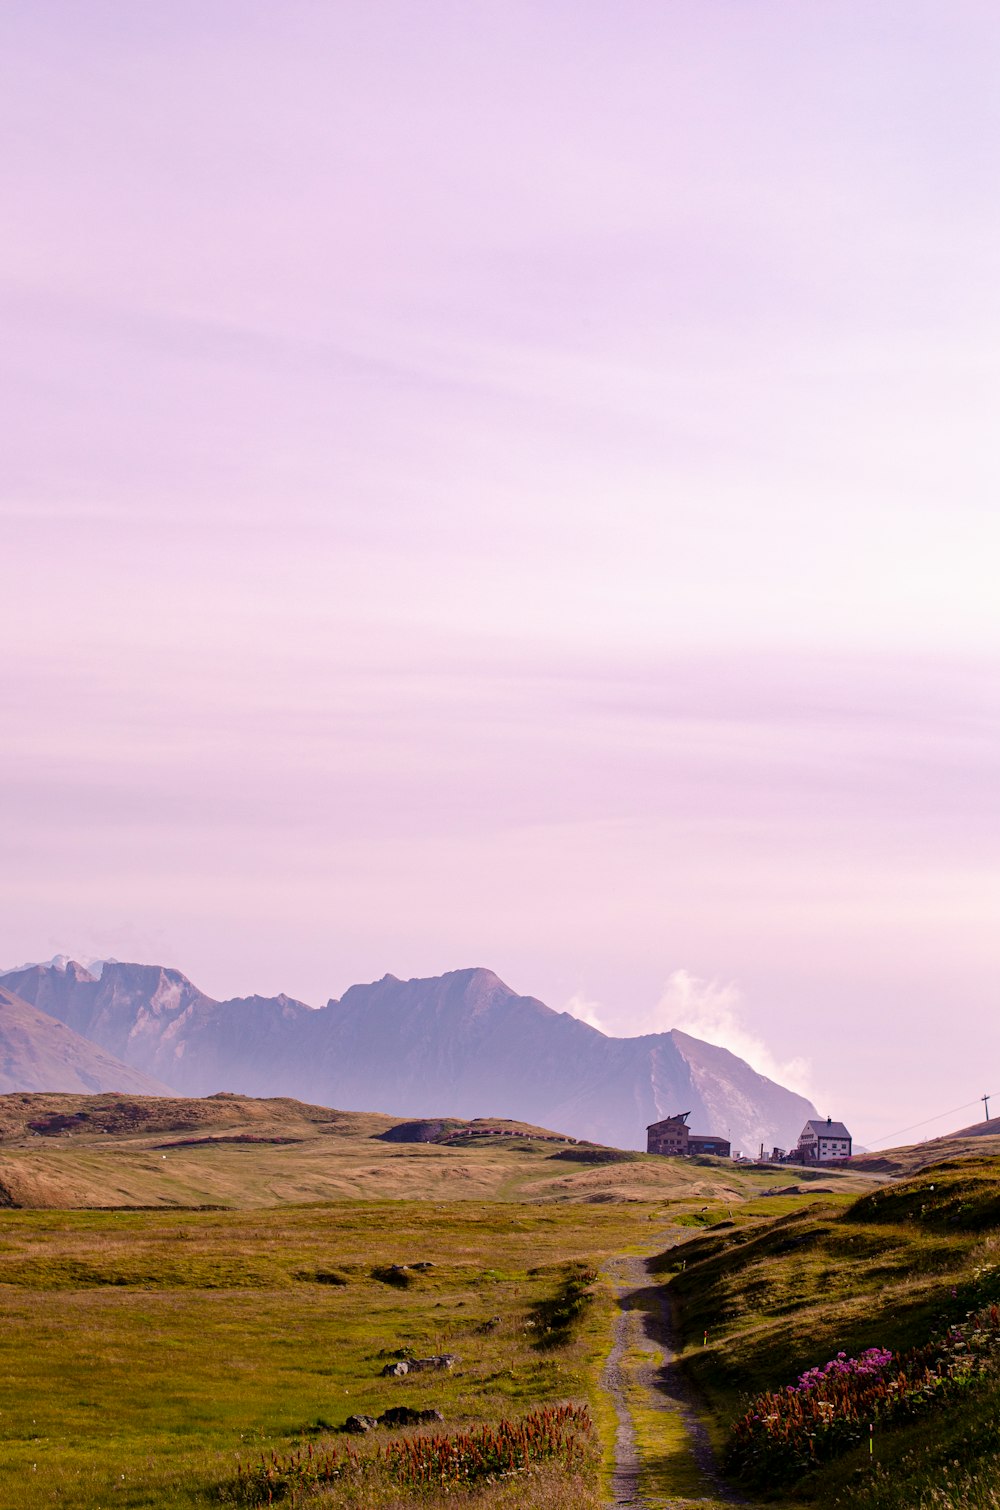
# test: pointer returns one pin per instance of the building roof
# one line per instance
(824, 1128)
(677, 1117)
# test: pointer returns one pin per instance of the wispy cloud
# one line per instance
(708, 1009)
(590, 1012)
(711, 1010)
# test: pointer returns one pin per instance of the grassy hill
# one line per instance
(911, 1159)
(902, 1268)
(107, 1151)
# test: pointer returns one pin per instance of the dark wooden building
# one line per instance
(673, 1138)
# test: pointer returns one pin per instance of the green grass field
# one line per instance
(147, 1352)
(143, 1352)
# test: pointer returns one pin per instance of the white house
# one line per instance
(820, 1141)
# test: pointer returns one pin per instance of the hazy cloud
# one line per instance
(712, 1011)
(590, 1012)
(707, 1009)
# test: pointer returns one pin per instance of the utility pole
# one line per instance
(986, 1102)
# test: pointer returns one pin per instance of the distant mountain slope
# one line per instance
(39, 1053)
(461, 1044)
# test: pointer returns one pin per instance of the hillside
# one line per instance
(40, 1053)
(908, 1268)
(912, 1158)
(462, 1041)
(990, 1129)
(233, 1151)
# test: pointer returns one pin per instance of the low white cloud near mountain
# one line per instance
(712, 1010)
(707, 1009)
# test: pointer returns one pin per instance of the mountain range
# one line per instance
(461, 1044)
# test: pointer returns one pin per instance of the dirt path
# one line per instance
(673, 1462)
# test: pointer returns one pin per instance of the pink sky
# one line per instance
(514, 485)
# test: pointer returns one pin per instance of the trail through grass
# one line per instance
(663, 1457)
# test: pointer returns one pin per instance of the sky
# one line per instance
(514, 485)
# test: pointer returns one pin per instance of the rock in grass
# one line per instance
(360, 1423)
(393, 1274)
(438, 1361)
(405, 1415)
(396, 1370)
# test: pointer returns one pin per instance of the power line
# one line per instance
(914, 1125)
